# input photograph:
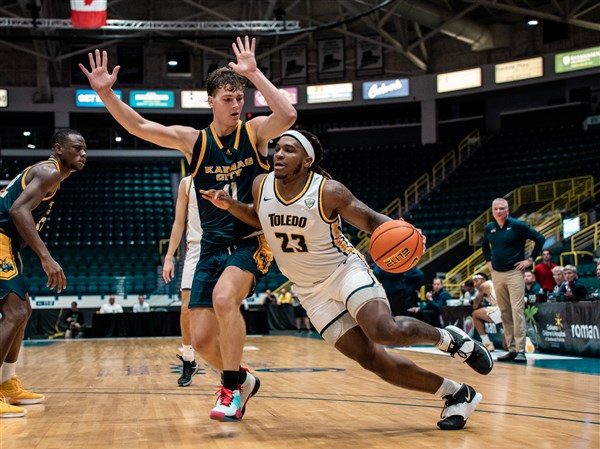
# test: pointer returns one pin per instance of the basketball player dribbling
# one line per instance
(300, 207)
(187, 218)
(228, 154)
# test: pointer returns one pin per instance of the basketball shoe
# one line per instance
(187, 372)
(458, 408)
(490, 346)
(471, 351)
(10, 411)
(228, 406)
(248, 389)
(15, 394)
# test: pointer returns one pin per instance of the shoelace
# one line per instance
(225, 396)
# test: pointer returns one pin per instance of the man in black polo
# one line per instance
(504, 251)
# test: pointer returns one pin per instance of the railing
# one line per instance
(534, 193)
(586, 238)
(549, 228)
(442, 246)
(427, 182)
(472, 264)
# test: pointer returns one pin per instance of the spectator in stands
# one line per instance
(302, 321)
(468, 291)
(485, 308)
(270, 298)
(25, 204)
(284, 298)
(111, 306)
(543, 271)
(429, 309)
(74, 321)
(142, 306)
(186, 218)
(531, 286)
(571, 288)
(504, 251)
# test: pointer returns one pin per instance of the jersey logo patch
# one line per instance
(310, 202)
(228, 153)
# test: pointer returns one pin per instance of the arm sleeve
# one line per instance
(539, 240)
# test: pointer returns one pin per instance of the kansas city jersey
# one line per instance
(10, 194)
(307, 245)
(225, 163)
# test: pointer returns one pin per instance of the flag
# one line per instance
(88, 13)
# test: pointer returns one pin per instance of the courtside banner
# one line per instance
(88, 13)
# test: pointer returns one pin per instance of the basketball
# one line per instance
(396, 246)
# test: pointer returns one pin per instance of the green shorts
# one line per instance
(11, 278)
(252, 254)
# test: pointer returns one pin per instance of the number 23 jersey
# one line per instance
(307, 245)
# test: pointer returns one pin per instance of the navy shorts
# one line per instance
(11, 278)
(252, 254)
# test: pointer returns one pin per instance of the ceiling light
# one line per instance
(532, 22)
(172, 63)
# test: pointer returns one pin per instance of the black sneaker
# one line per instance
(474, 353)
(508, 357)
(458, 408)
(188, 371)
(520, 358)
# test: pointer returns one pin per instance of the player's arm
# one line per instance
(181, 209)
(242, 211)
(481, 292)
(42, 179)
(338, 200)
(283, 113)
(180, 138)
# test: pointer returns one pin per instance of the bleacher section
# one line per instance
(105, 226)
(501, 165)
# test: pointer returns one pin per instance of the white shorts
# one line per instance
(333, 304)
(192, 255)
(494, 313)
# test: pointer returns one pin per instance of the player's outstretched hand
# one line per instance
(220, 198)
(244, 53)
(99, 77)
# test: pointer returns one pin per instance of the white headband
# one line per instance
(303, 141)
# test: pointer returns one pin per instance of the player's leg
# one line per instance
(366, 302)
(233, 286)
(204, 335)
(14, 313)
(189, 365)
(461, 399)
(480, 317)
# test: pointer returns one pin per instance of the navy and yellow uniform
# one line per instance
(226, 163)
(11, 278)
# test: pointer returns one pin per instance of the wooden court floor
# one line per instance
(122, 394)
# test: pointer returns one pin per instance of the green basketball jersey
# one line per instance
(225, 163)
(10, 194)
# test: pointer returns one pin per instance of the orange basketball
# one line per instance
(396, 246)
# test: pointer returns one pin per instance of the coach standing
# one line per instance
(504, 251)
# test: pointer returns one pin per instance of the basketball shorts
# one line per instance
(192, 255)
(333, 304)
(251, 254)
(11, 278)
(494, 313)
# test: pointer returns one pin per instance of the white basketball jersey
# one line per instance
(307, 246)
(194, 229)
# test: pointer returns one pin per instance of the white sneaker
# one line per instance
(248, 389)
(228, 406)
(472, 352)
(459, 407)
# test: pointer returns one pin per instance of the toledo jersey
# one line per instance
(193, 233)
(307, 245)
(225, 163)
(9, 195)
